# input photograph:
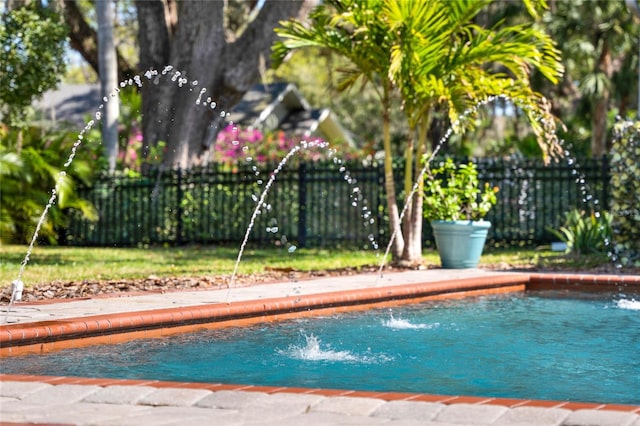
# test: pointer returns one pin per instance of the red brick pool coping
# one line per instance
(112, 328)
(386, 396)
(46, 336)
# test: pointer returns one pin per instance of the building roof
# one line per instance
(276, 106)
(70, 103)
(281, 106)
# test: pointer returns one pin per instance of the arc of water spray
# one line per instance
(17, 285)
(355, 193)
(263, 196)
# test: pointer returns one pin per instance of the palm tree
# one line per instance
(436, 57)
(355, 30)
(600, 44)
(441, 58)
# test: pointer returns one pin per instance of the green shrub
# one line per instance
(453, 192)
(585, 234)
(28, 173)
(625, 192)
(32, 42)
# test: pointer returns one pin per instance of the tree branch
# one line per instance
(247, 51)
(155, 30)
(84, 40)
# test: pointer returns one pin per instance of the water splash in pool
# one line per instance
(403, 324)
(314, 350)
(630, 304)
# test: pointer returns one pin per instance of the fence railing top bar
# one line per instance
(352, 165)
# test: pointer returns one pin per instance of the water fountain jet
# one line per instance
(17, 285)
(302, 145)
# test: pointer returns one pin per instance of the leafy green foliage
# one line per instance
(625, 192)
(28, 175)
(454, 193)
(585, 234)
(599, 43)
(435, 55)
(32, 42)
(453, 64)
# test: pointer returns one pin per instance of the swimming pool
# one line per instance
(527, 345)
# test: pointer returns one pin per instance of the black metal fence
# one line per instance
(318, 204)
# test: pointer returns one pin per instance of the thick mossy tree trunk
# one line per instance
(192, 40)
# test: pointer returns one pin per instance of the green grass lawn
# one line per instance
(77, 263)
(49, 264)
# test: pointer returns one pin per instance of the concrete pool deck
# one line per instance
(41, 327)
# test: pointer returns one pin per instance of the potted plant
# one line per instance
(455, 204)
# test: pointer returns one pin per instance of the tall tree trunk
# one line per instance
(412, 225)
(407, 230)
(108, 81)
(84, 40)
(601, 104)
(397, 245)
(412, 221)
(154, 34)
(199, 51)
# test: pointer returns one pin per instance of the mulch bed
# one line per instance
(93, 288)
(96, 288)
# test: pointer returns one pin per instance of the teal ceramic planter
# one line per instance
(460, 242)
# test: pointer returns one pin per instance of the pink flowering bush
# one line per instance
(128, 155)
(129, 161)
(233, 144)
(236, 146)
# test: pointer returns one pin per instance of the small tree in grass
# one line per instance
(32, 43)
(436, 57)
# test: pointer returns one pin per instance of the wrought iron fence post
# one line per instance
(302, 204)
(606, 178)
(179, 195)
(381, 198)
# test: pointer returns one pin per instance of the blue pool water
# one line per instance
(531, 345)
